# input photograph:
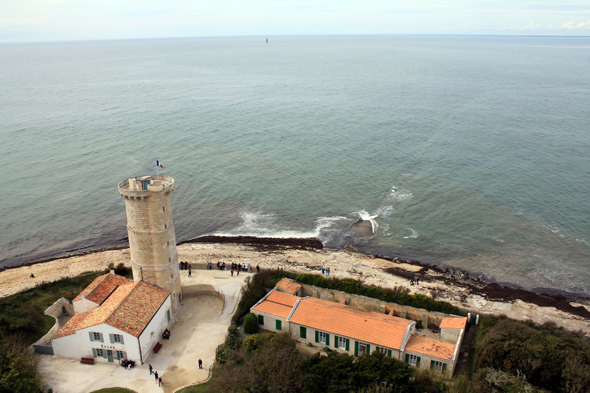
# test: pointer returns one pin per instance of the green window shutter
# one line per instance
(389, 352)
(260, 319)
(368, 349)
(356, 348)
(279, 325)
(444, 367)
(377, 349)
(327, 339)
(432, 364)
(407, 358)
(317, 336)
(418, 362)
(335, 341)
(303, 332)
(347, 344)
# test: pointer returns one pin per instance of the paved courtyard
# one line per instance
(200, 326)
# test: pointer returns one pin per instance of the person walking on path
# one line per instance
(257, 269)
(200, 364)
(156, 375)
(151, 370)
(159, 381)
(189, 271)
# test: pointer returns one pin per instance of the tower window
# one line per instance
(167, 244)
(165, 226)
(171, 276)
(163, 208)
(169, 259)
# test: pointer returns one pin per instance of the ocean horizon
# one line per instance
(463, 151)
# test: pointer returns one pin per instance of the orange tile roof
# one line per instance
(277, 303)
(130, 308)
(453, 323)
(379, 329)
(272, 308)
(430, 346)
(289, 285)
(282, 298)
(102, 287)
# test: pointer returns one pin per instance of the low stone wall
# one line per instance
(375, 305)
(55, 311)
(202, 289)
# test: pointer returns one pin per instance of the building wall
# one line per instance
(79, 345)
(450, 335)
(270, 322)
(152, 238)
(153, 331)
(425, 361)
(83, 305)
(295, 330)
(375, 305)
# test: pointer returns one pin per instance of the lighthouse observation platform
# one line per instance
(145, 186)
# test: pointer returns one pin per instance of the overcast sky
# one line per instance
(65, 20)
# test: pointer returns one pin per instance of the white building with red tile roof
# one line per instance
(356, 331)
(124, 320)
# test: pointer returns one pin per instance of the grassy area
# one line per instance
(22, 313)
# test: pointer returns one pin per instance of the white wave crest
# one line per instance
(363, 215)
(414, 234)
(396, 194)
(261, 224)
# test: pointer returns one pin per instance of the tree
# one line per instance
(18, 366)
(250, 324)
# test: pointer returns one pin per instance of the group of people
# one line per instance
(326, 270)
(415, 280)
(158, 378)
(166, 334)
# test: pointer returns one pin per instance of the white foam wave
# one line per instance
(363, 215)
(414, 235)
(396, 194)
(261, 224)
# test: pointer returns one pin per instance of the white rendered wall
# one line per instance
(153, 331)
(83, 305)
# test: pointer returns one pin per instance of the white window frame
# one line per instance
(100, 353)
(383, 350)
(120, 355)
(438, 366)
(322, 337)
(341, 342)
(412, 359)
(117, 338)
(96, 336)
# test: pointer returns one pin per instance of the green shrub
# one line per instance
(250, 324)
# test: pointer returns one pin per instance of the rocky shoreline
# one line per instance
(308, 255)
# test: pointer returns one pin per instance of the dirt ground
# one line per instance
(453, 287)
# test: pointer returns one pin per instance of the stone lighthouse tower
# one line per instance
(150, 226)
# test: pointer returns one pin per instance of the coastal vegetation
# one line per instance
(18, 366)
(257, 287)
(22, 313)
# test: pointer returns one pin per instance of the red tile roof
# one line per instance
(289, 285)
(102, 287)
(130, 308)
(453, 323)
(430, 346)
(379, 329)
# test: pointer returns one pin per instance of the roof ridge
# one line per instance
(104, 278)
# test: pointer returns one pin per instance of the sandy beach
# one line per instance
(450, 286)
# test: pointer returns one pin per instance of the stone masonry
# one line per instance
(152, 240)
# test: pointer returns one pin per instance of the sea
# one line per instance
(468, 152)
